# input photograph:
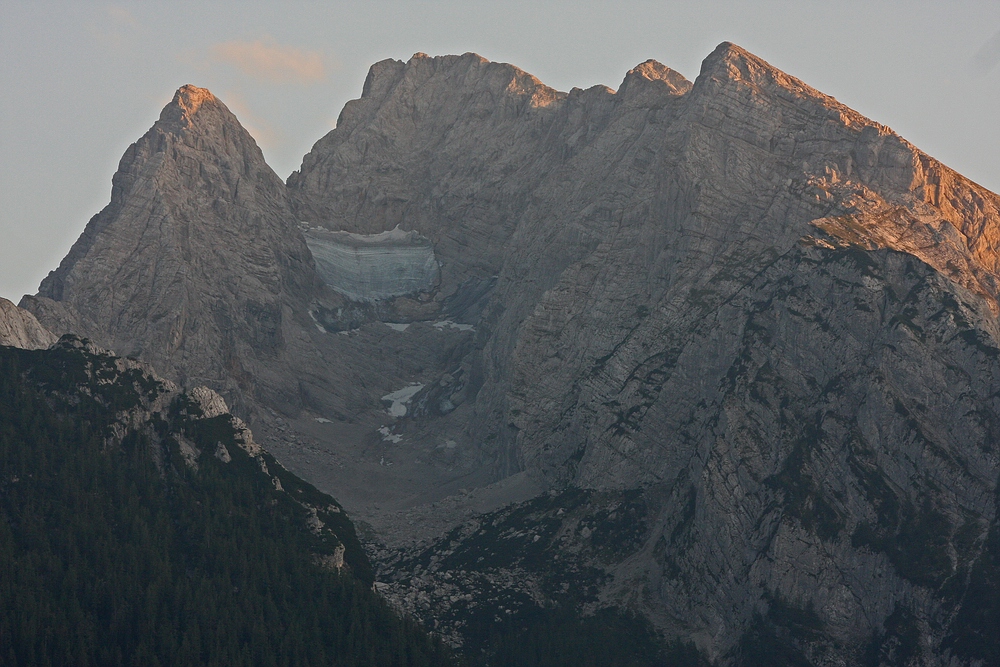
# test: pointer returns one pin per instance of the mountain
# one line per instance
(721, 355)
(141, 524)
(194, 265)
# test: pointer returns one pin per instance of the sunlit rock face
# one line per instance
(367, 267)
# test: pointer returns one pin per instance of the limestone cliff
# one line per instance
(19, 328)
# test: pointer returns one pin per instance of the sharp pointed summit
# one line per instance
(653, 71)
(186, 102)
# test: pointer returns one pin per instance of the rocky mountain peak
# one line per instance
(730, 65)
(186, 102)
(200, 120)
(469, 70)
(653, 71)
(197, 238)
(424, 114)
(191, 96)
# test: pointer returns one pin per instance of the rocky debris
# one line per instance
(19, 328)
(334, 561)
(222, 453)
(149, 399)
(210, 405)
(554, 550)
(209, 402)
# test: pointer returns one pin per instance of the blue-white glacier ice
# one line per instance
(369, 267)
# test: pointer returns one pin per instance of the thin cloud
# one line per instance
(115, 27)
(122, 18)
(266, 59)
(988, 57)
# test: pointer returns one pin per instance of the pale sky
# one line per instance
(82, 80)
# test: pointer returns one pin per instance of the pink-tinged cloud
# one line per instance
(266, 59)
(122, 18)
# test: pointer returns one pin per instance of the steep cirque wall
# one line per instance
(615, 221)
(739, 295)
(450, 147)
(754, 163)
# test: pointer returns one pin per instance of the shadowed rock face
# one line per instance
(770, 320)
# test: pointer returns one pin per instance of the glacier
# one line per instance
(371, 267)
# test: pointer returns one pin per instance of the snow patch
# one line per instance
(453, 325)
(389, 436)
(319, 326)
(222, 453)
(400, 398)
(397, 327)
(323, 420)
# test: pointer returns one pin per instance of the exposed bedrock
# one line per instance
(19, 328)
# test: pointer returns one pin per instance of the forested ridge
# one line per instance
(115, 549)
